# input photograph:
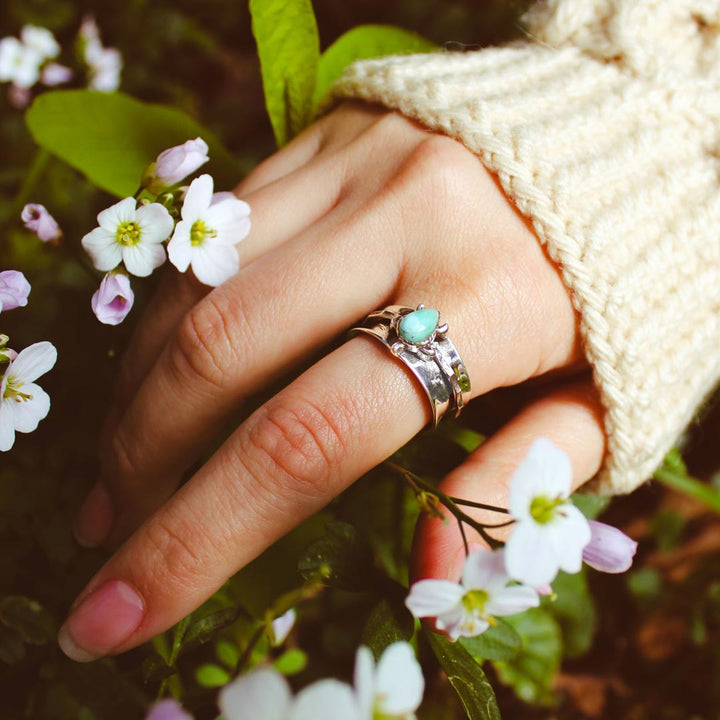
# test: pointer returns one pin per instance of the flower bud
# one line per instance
(55, 74)
(14, 290)
(176, 163)
(38, 220)
(281, 627)
(609, 549)
(113, 300)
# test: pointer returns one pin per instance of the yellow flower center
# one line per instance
(199, 231)
(543, 509)
(128, 233)
(12, 391)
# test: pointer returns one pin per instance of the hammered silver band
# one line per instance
(434, 361)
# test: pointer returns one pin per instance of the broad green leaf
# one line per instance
(574, 609)
(112, 138)
(206, 628)
(28, 618)
(361, 43)
(289, 49)
(499, 642)
(291, 662)
(341, 559)
(532, 671)
(466, 677)
(212, 676)
(389, 622)
(155, 669)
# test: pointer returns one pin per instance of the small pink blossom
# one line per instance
(113, 300)
(14, 290)
(55, 74)
(38, 220)
(609, 549)
(167, 710)
(176, 163)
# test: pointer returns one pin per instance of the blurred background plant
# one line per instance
(638, 646)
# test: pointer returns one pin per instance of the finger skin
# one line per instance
(570, 416)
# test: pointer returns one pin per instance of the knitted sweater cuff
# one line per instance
(619, 174)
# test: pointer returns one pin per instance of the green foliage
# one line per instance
(289, 49)
(466, 677)
(210, 675)
(363, 42)
(499, 642)
(291, 662)
(532, 671)
(111, 138)
(389, 622)
(28, 618)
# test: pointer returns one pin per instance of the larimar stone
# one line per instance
(419, 325)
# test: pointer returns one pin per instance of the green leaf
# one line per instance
(12, 648)
(112, 138)
(590, 505)
(28, 618)
(363, 42)
(574, 609)
(466, 677)
(499, 642)
(204, 629)
(228, 654)
(532, 671)
(341, 559)
(212, 676)
(291, 662)
(389, 622)
(289, 49)
(154, 669)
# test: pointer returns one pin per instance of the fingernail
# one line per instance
(93, 522)
(102, 621)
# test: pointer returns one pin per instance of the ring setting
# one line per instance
(418, 338)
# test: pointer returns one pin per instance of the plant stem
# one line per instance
(481, 506)
(247, 652)
(37, 168)
(690, 486)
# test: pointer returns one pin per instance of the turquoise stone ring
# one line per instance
(419, 340)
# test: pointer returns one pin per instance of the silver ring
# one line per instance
(419, 339)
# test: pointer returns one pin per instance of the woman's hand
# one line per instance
(363, 210)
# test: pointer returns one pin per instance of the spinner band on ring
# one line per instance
(419, 340)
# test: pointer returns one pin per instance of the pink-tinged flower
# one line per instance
(176, 163)
(55, 74)
(23, 404)
(131, 235)
(113, 300)
(466, 609)
(206, 236)
(392, 688)
(550, 532)
(168, 710)
(609, 550)
(38, 220)
(104, 64)
(14, 290)
(281, 626)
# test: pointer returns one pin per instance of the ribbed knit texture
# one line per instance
(605, 131)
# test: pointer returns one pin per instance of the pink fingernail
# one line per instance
(102, 621)
(93, 522)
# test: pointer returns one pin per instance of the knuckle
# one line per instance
(299, 448)
(204, 345)
(123, 456)
(436, 164)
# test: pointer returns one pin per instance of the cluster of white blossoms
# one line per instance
(391, 689)
(30, 59)
(549, 534)
(23, 403)
(131, 235)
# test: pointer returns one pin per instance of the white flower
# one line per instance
(391, 689)
(130, 235)
(14, 290)
(104, 64)
(467, 609)
(610, 550)
(551, 532)
(41, 41)
(281, 627)
(23, 404)
(19, 64)
(206, 236)
(264, 694)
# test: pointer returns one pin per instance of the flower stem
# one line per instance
(689, 486)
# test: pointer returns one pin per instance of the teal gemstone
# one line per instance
(419, 325)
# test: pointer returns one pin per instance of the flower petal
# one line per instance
(529, 555)
(399, 682)
(27, 414)
(610, 550)
(512, 600)
(7, 425)
(430, 598)
(197, 198)
(262, 694)
(142, 259)
(102, 246)
(32, 362)
(155, 223)
(121, 212)
(568, 535)
(484, 569)
(214, 264)
(364, 680)
(180, 249)
(325, 700)
(231, 219)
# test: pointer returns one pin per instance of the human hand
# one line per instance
(363, 210)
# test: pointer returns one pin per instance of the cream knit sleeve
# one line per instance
(605, 132)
